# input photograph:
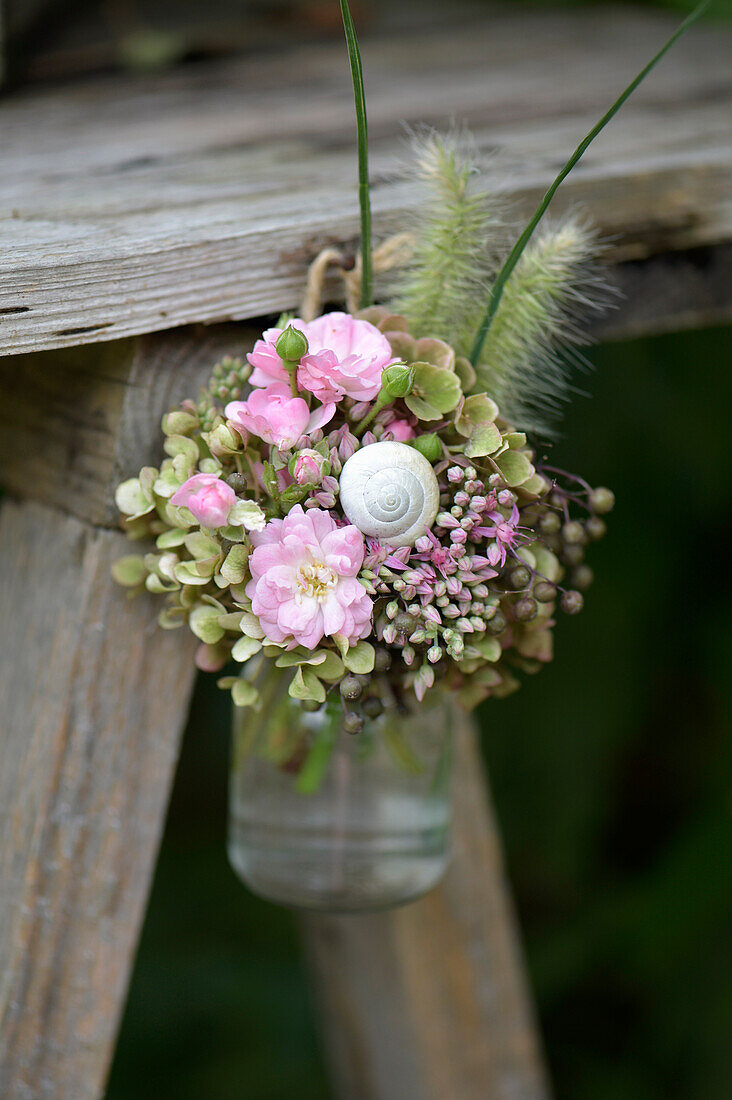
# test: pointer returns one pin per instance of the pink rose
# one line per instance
(399, 430)
(207, 498)
(345, 358)
(308, 467)
(276, 416)
(305, 583)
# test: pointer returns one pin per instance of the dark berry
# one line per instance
(519, 577)
(497, 624)
(351, 688)
(582, 577)
(525, 610)
(595, 528)
(382, 660)
(571, 602)
(373, 706)
(549, 523)
(573, 533)
(544, 592)
(353, 723)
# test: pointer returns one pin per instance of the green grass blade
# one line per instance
(509, 265)
(364, 199)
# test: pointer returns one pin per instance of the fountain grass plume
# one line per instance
(456, 235)
(530, 350)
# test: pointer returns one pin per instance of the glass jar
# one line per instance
(323, 819)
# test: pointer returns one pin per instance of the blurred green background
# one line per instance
(610, 771)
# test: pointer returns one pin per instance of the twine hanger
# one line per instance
(394, 252)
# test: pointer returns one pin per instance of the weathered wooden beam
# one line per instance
(93, 698)
(429, 1001)
(202, 196)
(74, 423)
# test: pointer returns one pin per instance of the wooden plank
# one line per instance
(133, 205)
(429, 1000)
(97, 410)
(93, 697)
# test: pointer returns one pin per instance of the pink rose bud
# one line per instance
(307, 468)
(207, 498)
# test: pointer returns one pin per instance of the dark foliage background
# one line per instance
(611, 774)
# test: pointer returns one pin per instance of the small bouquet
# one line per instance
(364, 501)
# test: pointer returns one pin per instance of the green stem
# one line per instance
(291, 366)
(382, 400)
(354, 57)
(515, 254)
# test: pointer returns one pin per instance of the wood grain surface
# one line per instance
(131, 204)
(429, 1001)
(93, 699)
(97, 412)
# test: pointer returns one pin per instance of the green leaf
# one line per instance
(204, 622)
(437, 387)
(354, 57)
(306, 685)
(176, 445)
(156, 584)
(331, 667)
(475, 411)
(247, 514)
(485, 439)
(245, 694)
(129, 571)
(234, 568)
(168, 483)
(515, 467)
(515, 440)
(169, 540)
(179, 423)
(185, 573)
(201, 546)
(360, 658)
(515, 253)
(429, 350)
(245, 648)
(466, 374)
(298, 656)
(132, 499)
(422, 409)
(170, 618)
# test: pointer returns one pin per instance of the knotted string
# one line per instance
(393, 252)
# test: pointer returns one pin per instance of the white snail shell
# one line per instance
(390, 491)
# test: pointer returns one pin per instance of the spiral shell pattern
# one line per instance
(390, 492)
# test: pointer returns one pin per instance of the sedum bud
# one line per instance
(291, 345)
(602, 500)
(397, 380)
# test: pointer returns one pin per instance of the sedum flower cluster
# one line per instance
(254, 553)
